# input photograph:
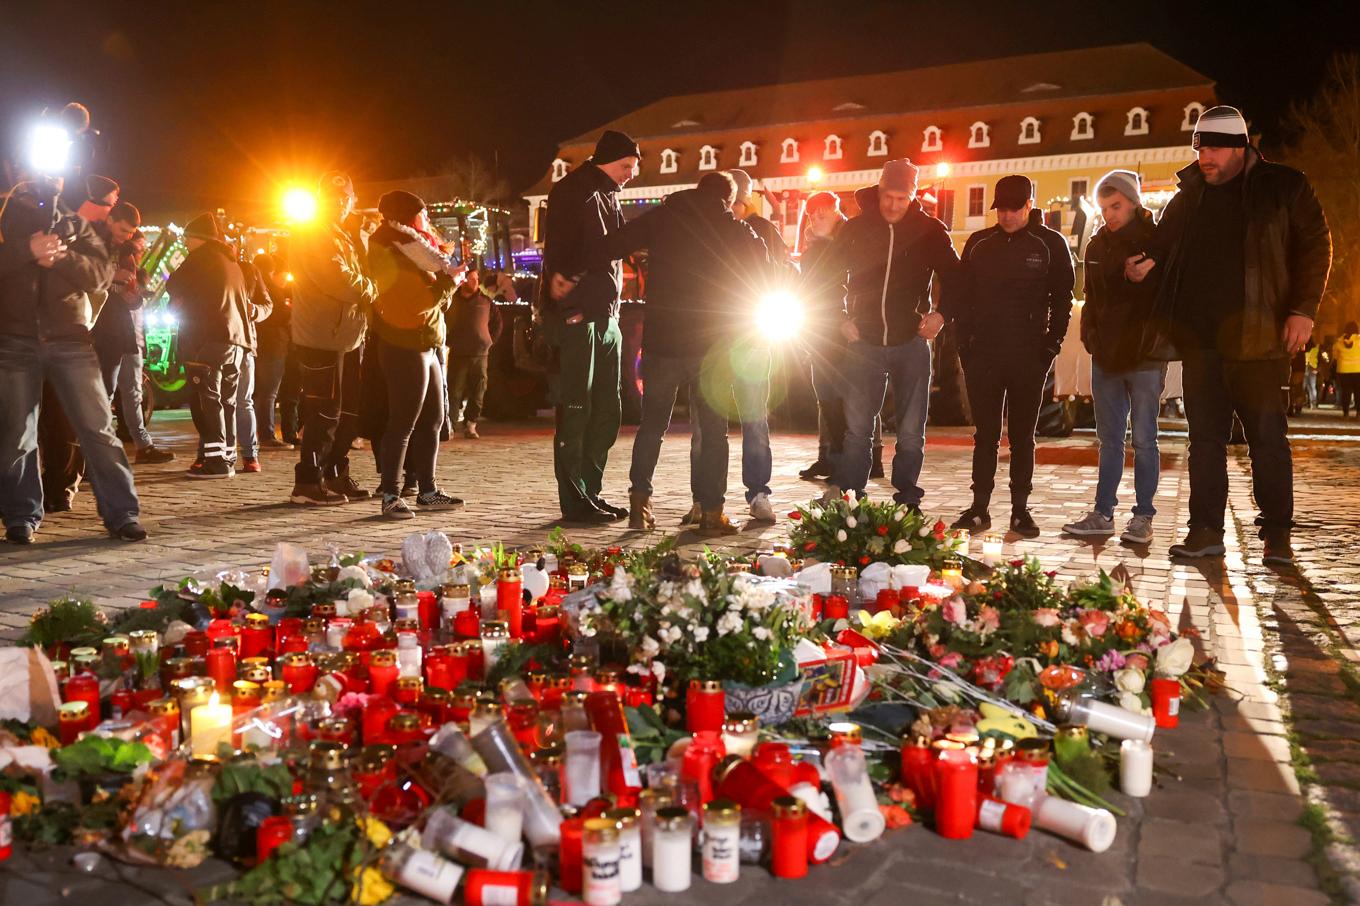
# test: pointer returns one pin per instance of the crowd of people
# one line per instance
(386, 336)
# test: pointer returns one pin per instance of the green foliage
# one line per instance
(354, 559)
(72, 621)
(651, 737)
(52, 825)
(313, 874)
(249, 776)
(94, 756)
(514, 661)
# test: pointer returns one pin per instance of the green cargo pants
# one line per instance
(589, 409)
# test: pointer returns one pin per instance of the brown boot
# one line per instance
(692, 517)
(640, 512)
(715, 522)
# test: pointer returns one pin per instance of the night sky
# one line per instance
(206, 103)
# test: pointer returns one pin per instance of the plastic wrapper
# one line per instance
(289, 566)
(173, 819)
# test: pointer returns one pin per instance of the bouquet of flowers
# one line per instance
(859, 532)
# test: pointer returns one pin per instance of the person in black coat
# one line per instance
(1011, 305)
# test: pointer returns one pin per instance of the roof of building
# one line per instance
(1086, 72)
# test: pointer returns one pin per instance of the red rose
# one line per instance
(840, 562)
(864, 561)
(882, 530)
(939, 527)
(795, 515)
(810, 546)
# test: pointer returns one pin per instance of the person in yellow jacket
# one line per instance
(1346, 356)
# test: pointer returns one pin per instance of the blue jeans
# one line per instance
(740, 373)
(662, 378)
(73, 371)
(1117, 396)
(868, 371)
(268, 379)
(245, 408)
(124, 376)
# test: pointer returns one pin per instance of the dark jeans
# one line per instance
(467, 382)
(662, 378)
(330, 387)
(589, 409)
(415, 413)
(1214, 391)
(1348, 392)
(868, 371)
(829, 385)
(739, 374)
(73, 372)
(213, 370)
(1005, 384)
(268, 379)
(63, 465)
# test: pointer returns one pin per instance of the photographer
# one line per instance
(48, 279)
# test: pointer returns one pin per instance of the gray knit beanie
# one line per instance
(1125, 182)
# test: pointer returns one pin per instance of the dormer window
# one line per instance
(932, 139)
(1192, 112)
(1081, 127)
(748, 155)
(559, 169)
(1138, 122)
(878, 143)
(979, 135)
(831, 149)
(708, 158)
(789, 154)
(670, 161)
(1029, 131)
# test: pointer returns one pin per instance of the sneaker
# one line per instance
(153, 455)
(818, 470)
(761, 511)
(132, 531)
(393, 507)
(438, 500)
(1095, 524)
(1138, 531)
(19, 534)
(1278, 550)
(250, 464)
(973, 519)
(346, 487)
(1199, 542)
(273, 442)
(603, 505)
(587, 515)
(410, 488)
(470, 431)
(315, 495)
(218, 468)
(1023, 524)
(693, 516)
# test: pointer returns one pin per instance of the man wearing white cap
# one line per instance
(1244, 251)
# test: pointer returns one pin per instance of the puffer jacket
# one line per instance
(888, 268)
(411, 300)
(215, 301)
(1288, 256)
(59, 302)
(332, 294)
(1116, 309)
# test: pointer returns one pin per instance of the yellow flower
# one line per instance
(371, 887)
(42, 737)
(23, 803)
(377, 833)
(879, 625)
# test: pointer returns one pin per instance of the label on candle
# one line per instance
(721, 856)
(990, 814)
(428, 874)
(1173, 706)
(499, 894)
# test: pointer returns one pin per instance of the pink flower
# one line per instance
(954, 611)
(951, 660)
(988, 620)
(1137, 662)
(1047, 617)
(1095, 622)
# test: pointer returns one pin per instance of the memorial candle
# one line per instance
(209, 727)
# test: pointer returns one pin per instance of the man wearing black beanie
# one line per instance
(579, 306)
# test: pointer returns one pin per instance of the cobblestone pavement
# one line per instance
(1263, 801)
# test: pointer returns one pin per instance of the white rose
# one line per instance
(840, 535)
(925, 530)
(359, 600)
(1129, 679)
(357, 573)
(851, 521)
(659, 671)
(899, 515)
(761, 633)
(701, 634)
(1131, 702)
(901, 546)
(650, 646)
(1174, 659)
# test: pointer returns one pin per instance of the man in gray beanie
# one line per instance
(1244, 251)
(887, 257)
(1124, 383)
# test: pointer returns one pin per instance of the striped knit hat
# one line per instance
(1220, 127)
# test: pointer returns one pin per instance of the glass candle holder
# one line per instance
(581, 769)
(672, 849)
(504, 806)
(860, 818)
(722, 841)
(600, 879)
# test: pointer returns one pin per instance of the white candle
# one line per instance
(722, 842)
(1135, 768)
(1094, 828)
(992, 547)
(581, 766)
(1112, 720)
(630, 856)
(469, 843)
(209, 726)
(860, 818)
(672, 850)
(504, 807)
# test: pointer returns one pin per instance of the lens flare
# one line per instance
(299, 205)
(780, 315)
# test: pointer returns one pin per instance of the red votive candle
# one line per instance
(789, 833)
(510, 600)
(918, 772)
(429, 611)
(1166, 702)
(382, 671)
(221, 664)
(956, 802)
(569, 855)
(835, 607)
(705, 706)
(1005, 818)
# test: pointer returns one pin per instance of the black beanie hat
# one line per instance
(97, 186)
(204, 226)
(400, 206)
(614, 146)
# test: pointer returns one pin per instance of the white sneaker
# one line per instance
(1096, 523)
(761, 511)
(1138, 531)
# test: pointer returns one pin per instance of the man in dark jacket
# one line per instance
(1011, 306)
(580, 311)
(51, 280)
(702, 265)
(887, 257)
(823, 293)
(216, 311)
(1244, 252)
(474, 324)
(272, 355)
(1124, 384)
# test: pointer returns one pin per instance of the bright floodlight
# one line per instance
(49, 149)
(780, 315)
(299, 205)
(815, 175)
(941, 170)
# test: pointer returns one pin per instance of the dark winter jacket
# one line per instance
(768, 233)
(211, 296)
(1014, 292)
(705, 271)
(59, 302)
(333, 294)
(1288, 256)
(822, 288)
(474, 323)
(888, 268)
(273, 331)
(119, 330)
(411, 300)
(583, 206)
(1116, 310)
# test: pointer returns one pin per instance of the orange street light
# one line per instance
(815, 175)
(941, 170)
(299, 205)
